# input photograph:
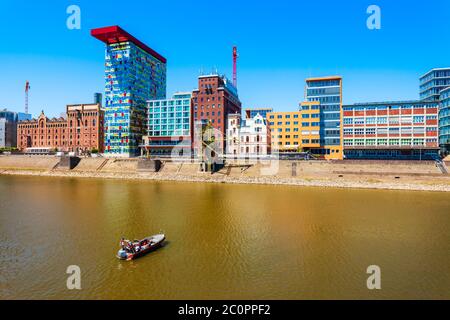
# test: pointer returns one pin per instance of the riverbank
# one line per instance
(239, 242)
(391, 175)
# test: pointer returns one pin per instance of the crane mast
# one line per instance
(27, 88)
(235, 57)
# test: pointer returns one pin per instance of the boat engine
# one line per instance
(122, 254)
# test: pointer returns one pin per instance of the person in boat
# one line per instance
(122, 243)
(130, 247)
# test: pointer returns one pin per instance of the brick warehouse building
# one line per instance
(214, 100)
(82, 131)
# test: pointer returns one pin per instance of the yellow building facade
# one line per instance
(311, 128)
(285, 131)
(317, 126)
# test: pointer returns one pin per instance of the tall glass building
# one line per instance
(327, 93)
(169, 126)
(134, 74)
(444, 120)
(432, 82)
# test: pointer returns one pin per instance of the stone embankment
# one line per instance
(394, 175)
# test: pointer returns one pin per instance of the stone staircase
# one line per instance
(441, 166)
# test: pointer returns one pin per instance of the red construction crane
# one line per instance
(27, 88)
(235, 57)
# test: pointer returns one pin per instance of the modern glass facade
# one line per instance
(134, 74)
(327, 94)
(169, 124)
(433, 82)
(8, 115)
(444, 120)
(22, 116)
(8, 133)
(251, 113)
(170, 117)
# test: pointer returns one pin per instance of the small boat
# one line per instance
(134, 249)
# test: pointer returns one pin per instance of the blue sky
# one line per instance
(280, 44)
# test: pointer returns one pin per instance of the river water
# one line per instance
(224, 241)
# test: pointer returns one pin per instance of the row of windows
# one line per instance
(50, 131)
(169, 121)
(436, 83)
(213, 114)
(386, 142)
(247, 139)
(285, 116)
(313, 107)
(169, 115)
(287, 143)
(296, 136)
(207, 99)
(207, 107)
(307, 115)
(323, 91)
(322, 83)
(168, 133)
(326, 100)
(390, 120)
(288, 123)
(436, 74)
(403, 130)
(56, 137)
(168, 109)
(164, 103)
(387, 107)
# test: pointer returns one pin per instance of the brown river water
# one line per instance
(224, 241)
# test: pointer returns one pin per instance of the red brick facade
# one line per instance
(82, 130)
(42, 133)
(85, 127)
(213, 101)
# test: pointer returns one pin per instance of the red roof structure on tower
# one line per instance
(116, 34)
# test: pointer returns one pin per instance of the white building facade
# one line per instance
(247, 138)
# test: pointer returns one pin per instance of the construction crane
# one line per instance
(27, 88)
(235, 57)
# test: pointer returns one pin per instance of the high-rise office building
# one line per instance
(432, 82)
(325, 95)
(134, 74)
